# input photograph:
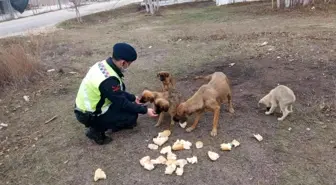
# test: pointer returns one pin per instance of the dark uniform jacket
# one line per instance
(121, 100)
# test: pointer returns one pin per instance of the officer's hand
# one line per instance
(137, 100)
(151, 112)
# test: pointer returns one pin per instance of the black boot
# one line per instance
(99, 137)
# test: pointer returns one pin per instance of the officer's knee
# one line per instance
(133, 119)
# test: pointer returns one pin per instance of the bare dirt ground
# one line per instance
(188, 40)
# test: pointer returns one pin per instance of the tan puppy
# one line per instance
(209, 97)
(159, 100)
(167, 80)
(174, 98)
(281, 95)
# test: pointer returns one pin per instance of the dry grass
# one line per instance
(20, 61)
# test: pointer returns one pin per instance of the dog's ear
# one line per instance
(162, 104)
(147, 96)
(165, 106)
(151, 99)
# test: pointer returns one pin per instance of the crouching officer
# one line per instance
(102, 102)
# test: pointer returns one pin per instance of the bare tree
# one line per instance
(152, 6)
(146, 5)
(156, 5)
(76, 5)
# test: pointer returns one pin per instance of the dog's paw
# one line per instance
(214, 133)
(280, 119)
(267, 113)
(190, 129)
(231, 110)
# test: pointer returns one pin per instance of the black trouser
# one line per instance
(112, 119)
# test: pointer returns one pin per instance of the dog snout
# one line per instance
(142, 100)
(158, 111)
(183, 119)
(176, 119)
(162, 78)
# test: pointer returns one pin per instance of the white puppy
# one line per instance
(281, 95)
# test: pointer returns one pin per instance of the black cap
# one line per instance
(124, 51)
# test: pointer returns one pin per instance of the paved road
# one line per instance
(20, 26)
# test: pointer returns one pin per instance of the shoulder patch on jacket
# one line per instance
(115, 88)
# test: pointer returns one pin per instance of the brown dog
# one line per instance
(209, 97)
(163, 102)
(167, 80)
(158, 99)
(174, 99)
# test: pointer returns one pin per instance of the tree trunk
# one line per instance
(306, 2)
(287, 3)
(157, 5)
(278, 3)
(146, 5)
(79, 18)
(151, 7)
